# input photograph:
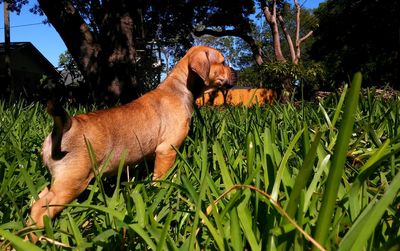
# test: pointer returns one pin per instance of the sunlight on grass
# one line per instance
(245, 179)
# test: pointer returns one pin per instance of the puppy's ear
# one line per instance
(200, 64)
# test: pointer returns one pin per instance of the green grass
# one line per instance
(255, 179)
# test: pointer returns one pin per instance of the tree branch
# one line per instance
(288, 39)
(265, 10)
(298, 39)
(72, 28)
(309, 34)
(222, 33)
(297, 5)
(256, 50)
(272, 21)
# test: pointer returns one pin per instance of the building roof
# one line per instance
(29, 50)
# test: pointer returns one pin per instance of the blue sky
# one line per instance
(28, 27)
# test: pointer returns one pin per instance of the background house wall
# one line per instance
(28, 67)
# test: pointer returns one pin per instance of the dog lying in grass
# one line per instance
(238, 96)
(156, 123)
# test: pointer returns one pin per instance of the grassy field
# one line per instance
(281, 177)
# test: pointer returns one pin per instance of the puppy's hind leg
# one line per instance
(63, 191)
(165, 158)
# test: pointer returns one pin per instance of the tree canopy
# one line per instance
(359, 35)
(122, 46)
(115, 43)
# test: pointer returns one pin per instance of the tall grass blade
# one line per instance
(226, 177)
(339, 106)
(360, 232)
(268, 160)
(323, 165)
(246, 222)
(236, 235)
(214, 232)
(17, 242)
(164, 233)
(338, 161)
(75, 231)
(29, 182)
(282, 165)
(140, 207)
(326, 116)
(302, 177)
(143, 234)
(120, 169)
(49, 229)
(376, 158)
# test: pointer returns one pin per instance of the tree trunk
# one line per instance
(256, 50)
(271, 17)
(105, 50)
(8, 85)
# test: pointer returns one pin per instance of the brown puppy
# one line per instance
(154, 123)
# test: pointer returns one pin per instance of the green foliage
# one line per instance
(236, 52)
(276, 74)
(287, 75)
(350, 38)
(69, 70)
(252, 76)
(280, 156)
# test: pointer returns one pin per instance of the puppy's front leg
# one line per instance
(165, 158)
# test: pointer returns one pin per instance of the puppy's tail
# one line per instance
(62, 123)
